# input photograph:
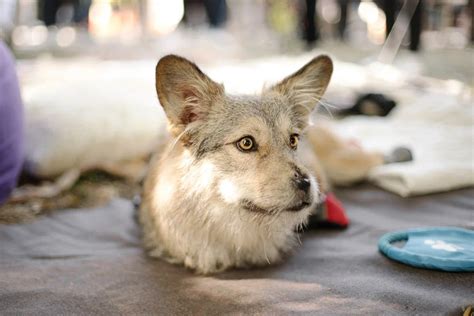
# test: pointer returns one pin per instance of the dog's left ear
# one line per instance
(306, 87)
(185, 92)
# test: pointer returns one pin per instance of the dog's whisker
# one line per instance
(173, 145)
(298, 237)
(323, 100)
(265, 249)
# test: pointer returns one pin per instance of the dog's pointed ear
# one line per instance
(306, 87)
(184, 91)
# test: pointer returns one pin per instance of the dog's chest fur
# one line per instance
(186, 222)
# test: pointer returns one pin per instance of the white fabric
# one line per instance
(437, 127)
(79, 115)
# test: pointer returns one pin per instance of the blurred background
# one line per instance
(86, 76)
(208, 29)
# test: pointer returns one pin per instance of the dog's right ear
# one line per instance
(185, 92)
(305, 88)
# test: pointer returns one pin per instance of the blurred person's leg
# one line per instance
(11, 125)
(81, 10)
(48, 11)
(438, 16)
(456, 12)
(431, 14)
(471, 12)
(343, 5)
(216, 11)
(416, 24)
(389, 8)
(311, 33)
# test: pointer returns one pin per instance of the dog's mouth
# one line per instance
(252, 207)
(298, 207)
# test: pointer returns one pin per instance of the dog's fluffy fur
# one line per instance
(208, 204)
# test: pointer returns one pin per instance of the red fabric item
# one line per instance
(335, 211)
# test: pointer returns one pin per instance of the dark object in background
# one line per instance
(48, 10)
(399, 154)
(471, 10)
(371, 104)
(341, 26)
(310, 23)
(216, 11)
(391, 8)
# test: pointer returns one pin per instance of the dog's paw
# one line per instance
(205, 265)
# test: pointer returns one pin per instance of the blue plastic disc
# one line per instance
(438, 248)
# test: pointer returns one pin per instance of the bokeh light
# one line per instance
(164, 16)
(65, 36)
(39, 35)
(375, 20)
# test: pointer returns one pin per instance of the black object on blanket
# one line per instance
(371, 104)
(329, 213)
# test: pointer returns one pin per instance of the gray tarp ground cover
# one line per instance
(89, 261)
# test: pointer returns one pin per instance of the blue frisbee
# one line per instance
(437, 248)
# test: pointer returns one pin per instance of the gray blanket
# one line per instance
(89, 261)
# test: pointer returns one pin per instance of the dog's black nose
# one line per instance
(302, 182)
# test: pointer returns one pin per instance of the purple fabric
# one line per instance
(11, 125)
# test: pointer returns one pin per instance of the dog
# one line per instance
(241, 173)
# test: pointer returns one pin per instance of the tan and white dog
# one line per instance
(238, 177)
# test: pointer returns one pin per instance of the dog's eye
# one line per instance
(294, 141)
(246, 144)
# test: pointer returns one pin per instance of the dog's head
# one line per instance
(245, 146)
